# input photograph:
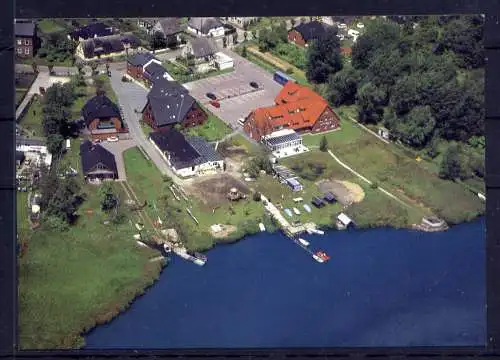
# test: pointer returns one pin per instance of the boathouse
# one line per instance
(343, 221)
(330, 198)
(316, 201)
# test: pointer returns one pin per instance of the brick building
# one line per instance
(25, 38)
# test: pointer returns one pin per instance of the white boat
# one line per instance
(197, 258)
(296, 211)
(137, 236)
(303, 242)
(262, 227)
(318, 259)
(316, 231)
(288, 212)
(307, 208)
(309, 231)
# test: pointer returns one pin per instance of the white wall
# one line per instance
(223, 61)
(217, 32)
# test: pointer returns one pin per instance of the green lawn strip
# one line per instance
(212, 130)
(70, 281)
(23, 226)
(20, 93)
(47, 26)
(241, 140)
(32, 120)
(180, 73)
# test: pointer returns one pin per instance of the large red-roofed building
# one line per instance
(298, 108)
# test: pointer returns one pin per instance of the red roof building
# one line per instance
(298, 108)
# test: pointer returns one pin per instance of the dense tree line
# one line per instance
(420, 77)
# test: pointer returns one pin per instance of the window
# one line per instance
(27, 51)
(26, 42)
(19, 50)
(19, 42)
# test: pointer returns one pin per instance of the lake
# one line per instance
(382, 287)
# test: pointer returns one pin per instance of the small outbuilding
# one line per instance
(343, 221)
(384, 133)
(294, 184)
(316, 201)
(330, 198)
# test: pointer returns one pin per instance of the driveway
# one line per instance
(131, 97)
(117, 149)
(236, 96)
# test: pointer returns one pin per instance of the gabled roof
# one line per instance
(93, 155)
(181, 153)
(108, 44)
(311, 30)
(170, 102)
(97, 29)
(24, 28)
(140, 59)
(204, 24)
(169, 26)
(154, 70)
(100, 106)
(203, 47)
(204, 149)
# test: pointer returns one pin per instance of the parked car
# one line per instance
(112, 139)
(215, 104)
(254, 85)
(211, 96)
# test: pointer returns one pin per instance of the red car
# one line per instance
(215, 104)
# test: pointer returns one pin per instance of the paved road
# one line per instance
(237, 97)
(132, 96)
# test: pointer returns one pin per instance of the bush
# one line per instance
(124, 78)
(289, 70)
(256, 196)
(374, 185)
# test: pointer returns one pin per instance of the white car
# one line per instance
(112, 139)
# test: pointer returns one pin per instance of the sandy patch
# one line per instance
(225, 231)
(346, 192)
(213, 190)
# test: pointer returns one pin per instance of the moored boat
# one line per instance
(288, 212)
(262, 227)
(303, 242)
(296, 211)
(307, 208)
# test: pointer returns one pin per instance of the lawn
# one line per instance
(180, 73)
(148, 183)
(47, 26)
(32, 120)
(401, 174)
(291, 53)
(212, 130)
(103, 271)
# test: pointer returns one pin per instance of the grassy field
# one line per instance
(48, 26)
(104, 270)
(32, 120)
(399, 173)
(212, 130)
(180, 73)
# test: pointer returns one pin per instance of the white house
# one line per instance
(343, 221)
(191, 156)
(35, 150)
(240, 21)
(222, 61)
(205, 26)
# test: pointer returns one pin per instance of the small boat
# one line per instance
(262, 227)
(318, 259)
(309, 231)
(307, 208)
(316, 231)
(167, 248)
(303, 242)
(321, 255)
(288, 212)
(296, 211)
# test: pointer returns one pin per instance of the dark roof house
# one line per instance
(99, 107)
(140, 59)
(97, 161)
(24, 28)
(169, 26)
(170, 102)
(108, 44)
(154, 70)
(202, 47)
(90, 31)
(204, 24)
(204, 149)
(311, 30)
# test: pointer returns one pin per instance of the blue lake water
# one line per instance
(382, 287)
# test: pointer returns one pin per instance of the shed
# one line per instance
(329, 197)
(317, 202)
(343, 221)
(294, 184)
(384, 133)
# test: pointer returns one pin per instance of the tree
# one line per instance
(79, 66)
(157, 41)
(293, 22)
(34, 65)
(224, 41)
(54, 143)
(55, 224)
(464, 37)
(433, 148)
(109, 200)
(254, 34)
(235, 38)
(323, 144)
(256, 196)
(343, 85)
(244, 52)
(245, 35)
(451, 166)
(417, 127)
(324, 58)
(51, 68)
(371, 100)
(94, 65)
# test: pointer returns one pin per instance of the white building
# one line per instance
(240, 21)
(205, 26)
(34, 150)
(187, 157)
(284, 143)
(343, 221)
(223, 62)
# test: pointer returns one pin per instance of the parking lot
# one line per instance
(233, 91)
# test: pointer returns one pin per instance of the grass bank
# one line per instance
(32, 119)
(69, 282)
